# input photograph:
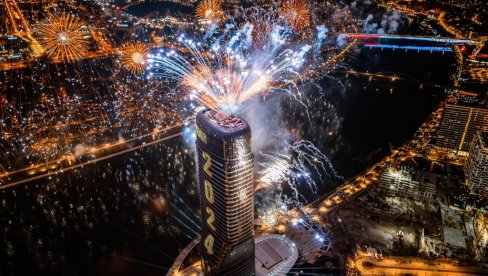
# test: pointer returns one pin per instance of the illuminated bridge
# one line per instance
(406, 42)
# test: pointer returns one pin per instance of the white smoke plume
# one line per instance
(341, 41)
(321, 35)
(264, 118)
(217, 42)
(369, 27)
(390, 21)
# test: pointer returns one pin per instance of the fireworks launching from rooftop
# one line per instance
(224, 76)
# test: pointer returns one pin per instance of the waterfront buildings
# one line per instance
(459, 125)
(476, 168)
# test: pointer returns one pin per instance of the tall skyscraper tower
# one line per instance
(225, 172)
(476, 169)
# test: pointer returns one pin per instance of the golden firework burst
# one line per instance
(209, 10)
(63, 37)
(134, 57)
(263, 24)
(296, 14)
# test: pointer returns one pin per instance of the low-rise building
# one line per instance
(476, 169)
(420, 186)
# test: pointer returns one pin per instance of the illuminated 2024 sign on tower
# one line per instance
(225, 172)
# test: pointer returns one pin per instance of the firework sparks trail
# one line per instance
(211, 31)
(252, 57)
(321, 35)
(217, 42)
(338, 81)
(226, 76)
(227, 69)
(302, 162)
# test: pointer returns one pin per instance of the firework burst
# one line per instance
(63, 37)
(209, 10)
(134, 57)
(296, 14)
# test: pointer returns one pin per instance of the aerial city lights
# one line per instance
(237, 137)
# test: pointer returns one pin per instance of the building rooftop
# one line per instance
(221, 125)
(225, 120)
(468, 105)
(484, 139)
(267, 255)
(274, 255)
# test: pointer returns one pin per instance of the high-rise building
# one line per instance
(459, 125)
(226, 179)
(476, 169)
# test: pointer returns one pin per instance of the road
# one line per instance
(401, 266)
(17, 20)
(104, 152)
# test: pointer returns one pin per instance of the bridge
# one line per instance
(408, 42)
(432, 39)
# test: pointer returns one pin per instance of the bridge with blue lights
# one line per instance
(406, 42)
